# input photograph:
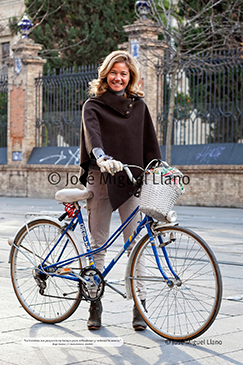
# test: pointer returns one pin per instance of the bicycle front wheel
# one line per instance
(184, 306)
(47, 298)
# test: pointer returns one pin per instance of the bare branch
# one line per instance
(46, 51)
(46, 14)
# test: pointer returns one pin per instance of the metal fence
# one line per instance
(208, 100)
(3, 109)
(59, 102)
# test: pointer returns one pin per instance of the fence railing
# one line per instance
(208, 100)
(59, 102)
(3, 109)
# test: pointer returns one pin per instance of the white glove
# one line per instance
(111, 166)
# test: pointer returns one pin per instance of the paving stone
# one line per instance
(221, 344)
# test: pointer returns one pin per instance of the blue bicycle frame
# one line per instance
(78, 219)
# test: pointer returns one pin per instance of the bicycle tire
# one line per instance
(61, 297)
(181, 312)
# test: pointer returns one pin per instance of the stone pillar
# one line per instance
(23, 68)
(143, 44)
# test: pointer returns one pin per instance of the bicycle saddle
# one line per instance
(73, 195)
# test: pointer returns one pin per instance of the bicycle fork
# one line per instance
(169, 282)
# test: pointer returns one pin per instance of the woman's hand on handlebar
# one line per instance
(107, 164)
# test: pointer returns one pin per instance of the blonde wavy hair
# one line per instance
(99, 86)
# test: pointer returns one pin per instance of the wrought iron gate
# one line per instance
(59, 101)
(208, 100)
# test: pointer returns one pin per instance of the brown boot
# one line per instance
(138, 322)
(94, 321)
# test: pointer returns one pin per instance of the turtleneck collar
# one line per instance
(118, 93)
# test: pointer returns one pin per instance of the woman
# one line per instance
(116, 129)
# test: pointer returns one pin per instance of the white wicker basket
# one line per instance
(157, 197)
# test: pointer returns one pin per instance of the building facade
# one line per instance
(8, 9)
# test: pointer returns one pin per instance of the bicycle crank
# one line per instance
(93, 285)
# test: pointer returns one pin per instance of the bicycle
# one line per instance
(51, 274)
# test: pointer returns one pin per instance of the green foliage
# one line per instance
(183, 106)
(78, 32)
(161, 8)
(13, 25)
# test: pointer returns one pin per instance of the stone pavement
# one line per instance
(21, 337)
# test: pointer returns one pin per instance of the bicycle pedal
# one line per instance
(63, 271)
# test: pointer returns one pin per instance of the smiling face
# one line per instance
(118, 77)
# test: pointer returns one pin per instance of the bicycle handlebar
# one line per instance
(129, 174)
(136, 182)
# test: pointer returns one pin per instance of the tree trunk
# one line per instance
(171, 115)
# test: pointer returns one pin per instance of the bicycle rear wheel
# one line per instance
(47, 298)
(188, 307)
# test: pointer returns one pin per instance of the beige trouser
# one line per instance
(99, 216)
